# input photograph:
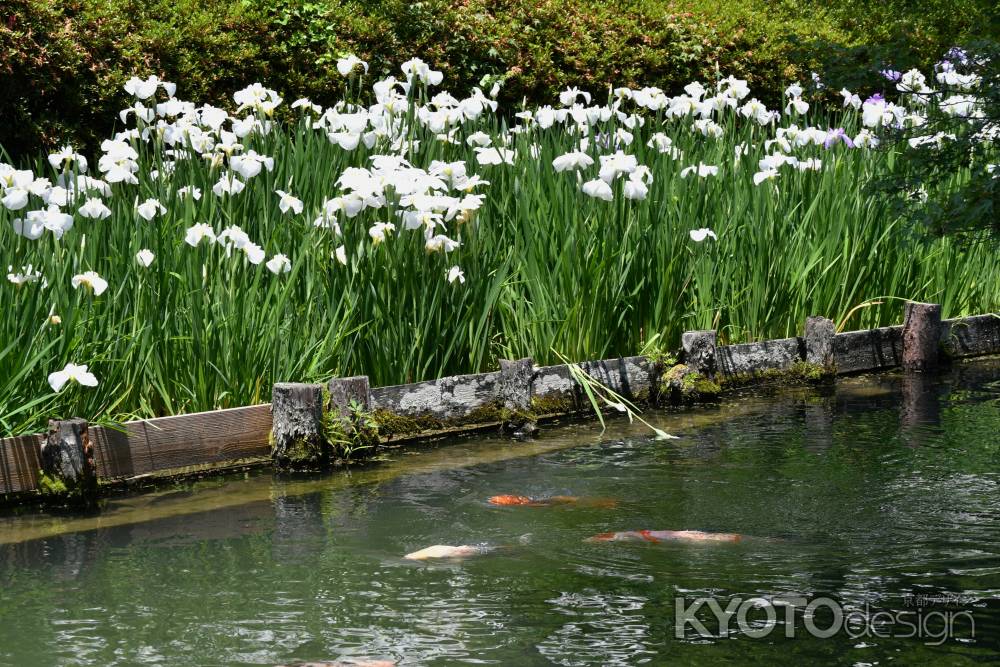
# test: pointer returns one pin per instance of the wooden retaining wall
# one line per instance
(158, 446)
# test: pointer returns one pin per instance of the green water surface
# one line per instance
(881, 494)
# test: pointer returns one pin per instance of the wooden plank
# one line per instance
(20, 461)
(868, 350)
(112, 455)
(751, 358)
(554, 382)
(142, 447)
(971, 336)
(448, 398)
(631, 377)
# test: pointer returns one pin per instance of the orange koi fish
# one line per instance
(528, 501)
(661, 535)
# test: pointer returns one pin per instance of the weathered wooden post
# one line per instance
(67, 456)
(297, 438)
(819, 335)
(353, 428)
(699, 351)
(345, 391)
(921, 336)
(921, 399)
(514, 395)
(693, 379)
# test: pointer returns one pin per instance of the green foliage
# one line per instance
(683, 384)
(65, 61)
(547, 268)
(799, 373)
(949, 180)
(51, 486)
(901, 34)
(57, 493)
(656, 350)
(304, 454)
(350, 435)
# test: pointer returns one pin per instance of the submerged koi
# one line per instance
(507, 500)
(528, 501)
(447, 551)
(661, 535)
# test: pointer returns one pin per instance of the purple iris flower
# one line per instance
(833, 136)
(957, 54)
(874, 99)
(603, 139)
(891, 74)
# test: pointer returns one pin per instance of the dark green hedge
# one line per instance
(65, 61)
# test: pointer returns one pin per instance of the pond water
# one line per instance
(877, 496)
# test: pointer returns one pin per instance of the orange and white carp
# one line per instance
(665, 535)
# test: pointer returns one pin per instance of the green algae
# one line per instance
(799, 373)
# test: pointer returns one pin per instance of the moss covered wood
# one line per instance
(298, 441)
(349, 425)
(699, 351)
(68, 474)
(514, 395)
(819, 334)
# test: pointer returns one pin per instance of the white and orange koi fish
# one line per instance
(665, 535)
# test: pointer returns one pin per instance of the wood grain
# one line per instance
(143, 447)
(971, 336)
(868, 350)
(20, 461)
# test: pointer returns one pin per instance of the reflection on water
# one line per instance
(878, 492)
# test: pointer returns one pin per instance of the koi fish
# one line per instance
(528, 501)
(446, 551)
(661, 535)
